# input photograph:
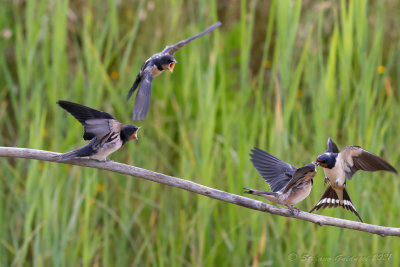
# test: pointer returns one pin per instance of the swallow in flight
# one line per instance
(341, 165)
(289, 184)
(153, 67)
(107, 134)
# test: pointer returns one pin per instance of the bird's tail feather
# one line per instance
(271, 196)
(80, 152)
(258, 193)
(330, 199)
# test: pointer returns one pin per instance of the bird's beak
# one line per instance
(171, 66)
(134, 135)
(315, 166)
(317, 163)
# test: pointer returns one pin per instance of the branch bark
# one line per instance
(12, 152)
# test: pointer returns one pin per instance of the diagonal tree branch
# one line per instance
(12, 152)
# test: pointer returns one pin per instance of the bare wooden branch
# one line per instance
(12, 152)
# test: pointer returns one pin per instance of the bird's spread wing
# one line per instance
(83, 113)
(96, 123)
(332, 147)
(275, 172)
(171, 49)
(307, 170)
(355, 158)
(138, 79)
(142, 101)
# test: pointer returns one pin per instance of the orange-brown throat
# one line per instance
(320, 163)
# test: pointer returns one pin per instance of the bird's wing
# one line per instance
(96, 123)
(332, 147)
(134, 86)
(355, 158)
(101, 129)
(275, 172)
(300, 173)
(148, 64)
(142, 101)
(171, 49)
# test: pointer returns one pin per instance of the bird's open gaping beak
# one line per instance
(171, 66)
(134, 135)
(318, 162)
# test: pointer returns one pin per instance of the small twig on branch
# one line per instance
(12, 152)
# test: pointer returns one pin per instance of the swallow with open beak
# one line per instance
(107, 135)
(153, 67)
(289, 184)
(341, 165)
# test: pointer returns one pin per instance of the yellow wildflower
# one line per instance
(114, 75)
(381, 69)
(100, 188)
(267, 64)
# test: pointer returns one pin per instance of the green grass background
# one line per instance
(282, 75)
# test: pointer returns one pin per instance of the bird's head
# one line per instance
(307, 172)
(129, 132)
(311, 167)
(327, 160)
(168, 62)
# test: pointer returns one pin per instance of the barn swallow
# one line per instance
(289, 184)
(341, 165)
(153, 67)
(107, 134)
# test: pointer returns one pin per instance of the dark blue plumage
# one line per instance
(85, 151)
(328, 159)
(332, 147)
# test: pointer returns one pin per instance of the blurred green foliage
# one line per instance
(282, 75)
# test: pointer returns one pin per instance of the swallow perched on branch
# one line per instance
(107, 134)
(153, 67)
(341, 165)
(289, 184)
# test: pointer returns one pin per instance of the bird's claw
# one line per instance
(293, 210)
(103, 160)
(336, 183)
(326, 180)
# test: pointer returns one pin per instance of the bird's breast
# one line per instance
(335, 173)
(106, 149)
(298, 193)
(155, 71)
